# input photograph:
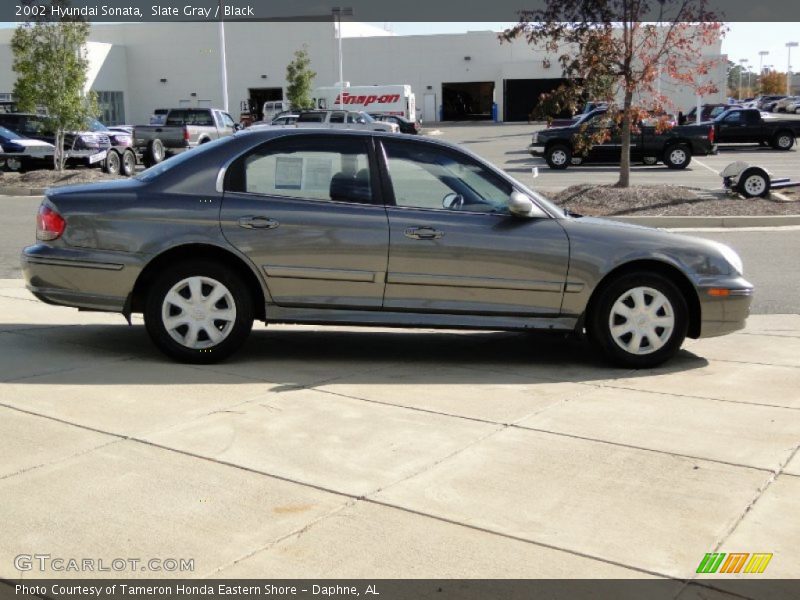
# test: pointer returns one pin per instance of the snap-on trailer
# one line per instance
(383, 99)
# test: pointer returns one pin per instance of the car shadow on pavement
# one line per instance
(302, 355)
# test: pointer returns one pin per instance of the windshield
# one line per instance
(95, 125)
(179, 159)
(7, 133)
(366, 117)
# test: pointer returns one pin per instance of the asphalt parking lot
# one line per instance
(348, 453)
(506, 146)
(341, 452)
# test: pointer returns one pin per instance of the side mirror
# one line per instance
(237, 126)
(520, 205)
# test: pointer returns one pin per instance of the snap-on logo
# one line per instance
(367, 100)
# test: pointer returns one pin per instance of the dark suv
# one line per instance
(83, 147)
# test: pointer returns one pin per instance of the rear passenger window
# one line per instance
(313, 169)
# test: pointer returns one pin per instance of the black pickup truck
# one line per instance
(675, 146)
(746, 125)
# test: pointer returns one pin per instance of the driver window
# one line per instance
(429, 178)
(734, 117)
(601, 122)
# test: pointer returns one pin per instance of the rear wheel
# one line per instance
(639, 320)
(784, 140)
(128, 163)
(558, 156)
(155, 152)
(678, 156)
(198, 312)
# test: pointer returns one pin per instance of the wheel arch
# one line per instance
(664, 269)
(209, 252)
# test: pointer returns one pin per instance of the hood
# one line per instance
(28, 143)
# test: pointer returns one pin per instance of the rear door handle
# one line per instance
(258, 223)
(423, 233)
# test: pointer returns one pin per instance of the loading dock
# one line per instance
(467, 101)
(521, 96)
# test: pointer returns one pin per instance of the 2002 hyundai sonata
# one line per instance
(364, 228)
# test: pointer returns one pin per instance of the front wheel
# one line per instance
(112, 164)
(754, 182)
(558, 157)
(639, 320)
(198, 312)
(678, 156)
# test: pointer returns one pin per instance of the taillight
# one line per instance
(711, 134)
(185, 133)
(49, 224)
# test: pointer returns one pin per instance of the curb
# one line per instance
(11, 190)
(730, 222)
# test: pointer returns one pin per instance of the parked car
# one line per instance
(707, 113)
(675, 146)
(281, 121)
(343, 119)
(405, 125)
(589, 107)
(274, 108)
(183, 129)
(746, 125)
(19, 153)
(368, 228)
(121, 157)
(769, 105)
(780, 105)
(763, 101)
(159, 116)
(794, 107)
(85, 148)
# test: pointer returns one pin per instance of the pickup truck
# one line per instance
(183, 129)
(342, 119)
(675, 146)
(746, 125)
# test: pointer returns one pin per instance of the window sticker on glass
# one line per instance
(288, 173)
(318, 174)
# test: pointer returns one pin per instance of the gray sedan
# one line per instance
(365, 228)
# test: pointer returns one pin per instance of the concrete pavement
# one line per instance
(336, 452)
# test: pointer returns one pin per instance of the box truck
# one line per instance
(379, 99)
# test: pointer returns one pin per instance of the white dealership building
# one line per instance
(138, 67)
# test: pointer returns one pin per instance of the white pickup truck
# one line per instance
(343, 119)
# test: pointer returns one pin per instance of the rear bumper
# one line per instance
(93, 280)
(724, 314)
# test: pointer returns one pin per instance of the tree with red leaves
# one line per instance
(632, 44)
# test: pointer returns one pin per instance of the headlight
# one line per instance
(733, 259)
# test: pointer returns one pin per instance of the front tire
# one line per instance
(754, 182)
(198, 312)
(639, 320)
(112, 164)
(678, 156)
(558, 157)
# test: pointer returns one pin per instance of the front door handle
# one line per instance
(423, 233)
(258, 223)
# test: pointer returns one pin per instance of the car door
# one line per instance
(307, 212)
(609, 148)
(337, 120)
(453, 245)
(732, 128)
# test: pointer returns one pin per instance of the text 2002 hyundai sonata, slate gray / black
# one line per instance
(363, 228)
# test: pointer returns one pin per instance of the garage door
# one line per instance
(467, 101)
(522, 96)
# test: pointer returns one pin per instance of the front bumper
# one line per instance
(722, 314)
(536, 150)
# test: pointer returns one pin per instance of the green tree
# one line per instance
(620, 49)
(299, 79)
(51, 66)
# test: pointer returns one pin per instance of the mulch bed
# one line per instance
(51, 178)
(666, 200)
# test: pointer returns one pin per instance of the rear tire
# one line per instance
(155, 152)
(754, 182)
(639, 320)
(198, 312)
(558, 157)
(128, 163)
(783, 140)
(678, 156)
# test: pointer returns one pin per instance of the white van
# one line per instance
(396, 100)
(273, 107)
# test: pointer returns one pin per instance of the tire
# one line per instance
(155, 152)
(194, 336)
(650, 160)
(677, 156)
(754, 182)
(558, 157)
(13, 165)
(128, 163)
(112, 163)
(783, 140)
(660, 332)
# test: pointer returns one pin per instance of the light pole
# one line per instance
(338, 12)
(789, 46)
(741, 68)
(223, 62)
(761, 56)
